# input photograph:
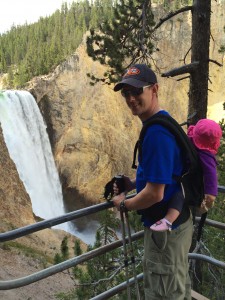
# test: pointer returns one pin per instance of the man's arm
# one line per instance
(151, 194)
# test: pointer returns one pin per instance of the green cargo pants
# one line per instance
(166, 263)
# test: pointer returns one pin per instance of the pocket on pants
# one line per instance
(160, 239)
(159, 279)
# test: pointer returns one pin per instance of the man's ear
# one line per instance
(155, 88)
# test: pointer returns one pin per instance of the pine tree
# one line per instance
(36, 49)
(64, 255)
(104, 272)
(124, 39)
(77, 248)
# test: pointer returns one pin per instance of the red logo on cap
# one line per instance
(132, 71)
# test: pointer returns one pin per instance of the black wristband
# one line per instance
(122, 206)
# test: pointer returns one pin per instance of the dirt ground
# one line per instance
(14, 265)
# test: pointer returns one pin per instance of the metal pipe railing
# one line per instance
(212, 223)
(19, 232)
(11, 284)
(22, 231)
(116, 289)
(208, 259)
(221, 189)
(16, 283)
(119, 288)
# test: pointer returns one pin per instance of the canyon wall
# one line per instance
(91, 130)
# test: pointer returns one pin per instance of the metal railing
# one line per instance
(11, 284)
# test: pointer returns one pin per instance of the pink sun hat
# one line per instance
(206, 135)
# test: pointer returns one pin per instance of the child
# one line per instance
(205, 135)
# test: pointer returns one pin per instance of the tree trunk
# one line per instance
(199, 76)
(198, 91)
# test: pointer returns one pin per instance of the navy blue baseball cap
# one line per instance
(138, 75)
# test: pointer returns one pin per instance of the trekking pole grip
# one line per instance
(119, 180)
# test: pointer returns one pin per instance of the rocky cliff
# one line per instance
(16, 208)
(29, 254)
(92, 133)
(14, 200)
(91, 130)
(89, 127)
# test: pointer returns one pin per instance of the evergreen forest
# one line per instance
(31, 50)
(36, 49)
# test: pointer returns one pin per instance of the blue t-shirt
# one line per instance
(161, 160)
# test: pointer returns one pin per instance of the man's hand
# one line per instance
(118, 199)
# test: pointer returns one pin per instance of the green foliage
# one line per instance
(65, 296)
(221, 155)
(212, 277)
(216, 237)
(58, 258)
(27, 251)
(65, 248)
(94, 270)
(106, 271)
(171, 5)
(36, 49)
(222, 49)
(123, 40)
(77, 248)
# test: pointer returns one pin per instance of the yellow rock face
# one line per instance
(90, 128)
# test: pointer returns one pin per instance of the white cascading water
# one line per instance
(29, 147)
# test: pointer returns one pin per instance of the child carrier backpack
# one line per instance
(192, 179)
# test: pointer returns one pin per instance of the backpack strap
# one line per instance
(174, 127)
(134, 166)
(201, 225)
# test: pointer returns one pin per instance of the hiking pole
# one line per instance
(125, 254)
(119, 180)
(132, 256)
(124, 211)
(107, 195)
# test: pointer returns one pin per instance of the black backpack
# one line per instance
(192, 179)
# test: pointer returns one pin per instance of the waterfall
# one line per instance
(29, 147)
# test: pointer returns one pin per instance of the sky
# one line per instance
(18, 12)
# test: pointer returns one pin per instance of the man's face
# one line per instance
(139, 100)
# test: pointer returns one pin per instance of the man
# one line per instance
(165, 253)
